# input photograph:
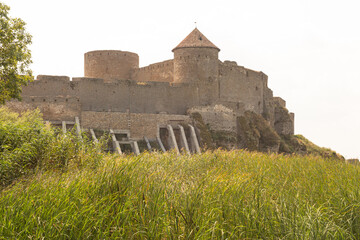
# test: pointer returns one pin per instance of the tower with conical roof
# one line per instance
(195, 59)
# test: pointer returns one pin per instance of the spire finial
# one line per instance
(195, 24)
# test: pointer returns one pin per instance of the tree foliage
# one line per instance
(15, 57)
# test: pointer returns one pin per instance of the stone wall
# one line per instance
(157, 72)
(217, 117)
(52, 108)
(238, 89)
(279, 101)
(110, 64)
(195, 78)
(284, 121)
(140, 125)
(136, 97)
(118, 96)
(195, 64)
(244, 86)
(50, 86)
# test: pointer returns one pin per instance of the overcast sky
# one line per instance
(310, 49)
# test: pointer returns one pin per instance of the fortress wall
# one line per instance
(207, 92)
(92, 94)
(50, 86)
(55, 96)
(195, 64)
(156, 97)
(95, 95)
(279, 101)
(284, 121)
(269, 106)
(55, 108)
(110, 64)
(157, 72)
(238, 84)
(139, 124)
(237, 107)
(137, 97)
(218, 117)
(181, 97)
(149, 98)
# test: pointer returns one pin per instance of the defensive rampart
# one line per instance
(157, 72)
(243, 86)
(110, 64)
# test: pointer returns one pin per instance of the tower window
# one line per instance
(200, 38)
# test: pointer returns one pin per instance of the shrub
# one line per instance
(255, 133)
(27, 144)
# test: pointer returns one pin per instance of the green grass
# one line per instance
(215, 195)
(27, 144)
(56, 186)
(300, 145)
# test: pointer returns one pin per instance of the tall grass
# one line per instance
(214, 195)
(27, 145)
(56, 186)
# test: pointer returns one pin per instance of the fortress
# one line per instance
(116, 94)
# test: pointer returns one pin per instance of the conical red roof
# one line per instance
(196, 40)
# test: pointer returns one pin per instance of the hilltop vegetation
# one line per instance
(255, 134)
(214, 195)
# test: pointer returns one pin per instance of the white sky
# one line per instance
(310, 49)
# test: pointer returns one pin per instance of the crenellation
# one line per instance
(279, 101)
(52, 78)
(157, 72)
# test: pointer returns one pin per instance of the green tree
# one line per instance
(15, 57)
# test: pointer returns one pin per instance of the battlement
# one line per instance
(109, 53)
(110, 64)
(229, 66)
(166, 63)
(52, 78)
(157, 72)
(279, 101)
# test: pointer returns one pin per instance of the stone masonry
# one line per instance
(115, 93)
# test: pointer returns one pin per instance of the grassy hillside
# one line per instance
(214, 195)
(219, 195)
(255, 134)
(300, 145)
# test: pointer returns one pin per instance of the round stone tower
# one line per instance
(110, 64)
(195, 59)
